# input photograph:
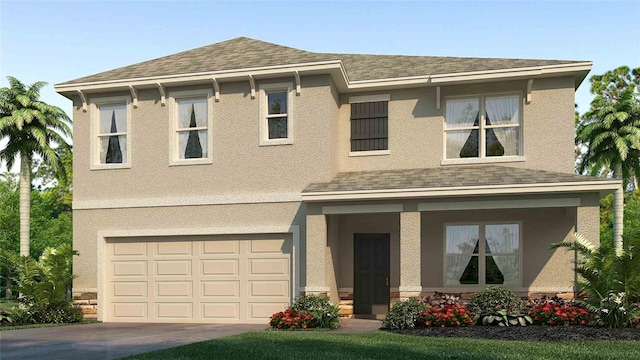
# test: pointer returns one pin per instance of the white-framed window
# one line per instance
(485, 127)
(276, 109)
(110, 126)
(191, 124)
(480, 254)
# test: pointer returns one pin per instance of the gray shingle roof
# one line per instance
(443, 178)
(242, 52)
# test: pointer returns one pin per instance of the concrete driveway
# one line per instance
(107, 341)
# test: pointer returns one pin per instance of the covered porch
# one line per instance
(373, 238)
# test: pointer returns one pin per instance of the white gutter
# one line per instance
(585, 186)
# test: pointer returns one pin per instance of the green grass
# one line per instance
(32, 326)
(382, 345)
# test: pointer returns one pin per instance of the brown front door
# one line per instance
(371, 274)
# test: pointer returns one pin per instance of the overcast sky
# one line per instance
(59, 41)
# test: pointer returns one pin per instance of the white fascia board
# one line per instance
(604, 186)
(499, 204)
(236, 74)
(343, 81)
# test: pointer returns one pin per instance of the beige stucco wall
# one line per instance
(240, 165)
(416, 126)
(87, 224)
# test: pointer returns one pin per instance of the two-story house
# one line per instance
(216, 184)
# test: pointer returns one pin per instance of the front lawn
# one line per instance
(383, 345)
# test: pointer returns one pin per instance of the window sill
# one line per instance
(276, 142)
(487, 160)
(369, 153)
(205, 161)
(109, 166)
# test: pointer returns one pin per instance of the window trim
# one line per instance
(94, 126)
(263, 120)
(482, 264)
(174, 96)
(482, 158)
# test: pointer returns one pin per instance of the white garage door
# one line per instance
(214, 279)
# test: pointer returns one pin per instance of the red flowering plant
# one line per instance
(560, 314)
(291, 319)
(445, 316)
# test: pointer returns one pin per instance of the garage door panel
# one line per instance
(209, 279)
(174, 289)
(129, 249)
(174, 248)
(216, 267)
(174, 310)
(220, 288)
(129, 288)
(172, 267)
(221, 247)
(269, 288)
(129, 268)
(130, 310)
(278, 266)
(274, 246)
(221, 311)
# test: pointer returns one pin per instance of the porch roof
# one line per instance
(452, 181)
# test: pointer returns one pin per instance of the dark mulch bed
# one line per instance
(528, 333)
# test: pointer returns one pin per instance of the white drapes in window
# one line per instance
(113, 119)
(184, 112)
(107, 113)
(460, 239)
(460, 113)
(505, 239)
(504, 110)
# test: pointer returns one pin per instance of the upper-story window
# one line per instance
(275, 114)
(370, 124)
(483, 126)
(483, 254)
(191, 127)
(111, 123)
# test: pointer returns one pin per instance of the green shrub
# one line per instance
(404, 314)
(494, 298)
(42, 285)
(325, 313)
(609, 280)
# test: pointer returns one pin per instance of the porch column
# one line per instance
(315, 255)
(410, 255)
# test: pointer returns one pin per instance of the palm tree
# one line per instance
(31, 127)
(610, 134)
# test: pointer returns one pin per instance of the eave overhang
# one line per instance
(601, 187)
(336, 69)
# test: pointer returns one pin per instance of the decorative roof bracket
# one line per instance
(529, 86)
(163, 99)
(252, 82)
(83, 98)
(297, 75)
(437, 97)
(216, 89)
(134, 95)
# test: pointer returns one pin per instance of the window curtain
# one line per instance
(185, 110)
(113, 119)
(460, 113)
(502, 111)
(461, 242)
(504, 240)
